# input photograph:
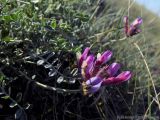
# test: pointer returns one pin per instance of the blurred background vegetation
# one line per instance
(36, 26)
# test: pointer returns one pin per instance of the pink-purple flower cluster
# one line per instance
(96, 72)
(132, 29)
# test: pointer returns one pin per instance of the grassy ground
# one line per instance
(31, 29)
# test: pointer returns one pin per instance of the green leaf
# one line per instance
(1, 77)
(8, 39)
(13, 104)
(6, 97)
(53, 24)
(14, 16)
(36, 1)
(7, 18)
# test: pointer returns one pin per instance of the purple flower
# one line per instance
(101, 60)
(83, 56)
(87, 67)
(133, 29)
(104, 57)
(92, 85)
(124, 76)
(97, 73)
(113, 69)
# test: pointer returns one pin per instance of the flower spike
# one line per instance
(83, 56)
(97, 73)
(133, 29)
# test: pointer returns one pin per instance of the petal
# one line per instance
(138, 31)
(113, 68)
(125, 20)
(138, 21)
(111, 80)
(124, 76)
(134, 31)
(102, 71)
(89, 61)
(86, 51)
(104, 57)
(95, 69)
(94, 88)
(93, 81)
(83, 56)
(98, 55)
(89, 71)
